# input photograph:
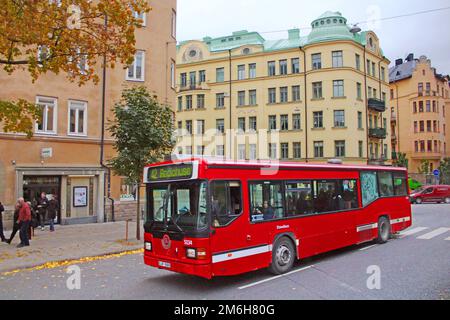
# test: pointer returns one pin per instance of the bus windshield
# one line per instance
(179, 204)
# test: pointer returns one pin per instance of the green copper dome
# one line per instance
(328, 27)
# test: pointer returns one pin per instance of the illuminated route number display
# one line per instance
(172, 172)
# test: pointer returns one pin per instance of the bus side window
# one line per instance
(266, 201)
(335, 195)
(400, 186)
(386, 184)
(369, 187)
(226, 202)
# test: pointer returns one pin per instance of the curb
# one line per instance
(69, 261)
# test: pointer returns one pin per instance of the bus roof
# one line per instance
(232, 164)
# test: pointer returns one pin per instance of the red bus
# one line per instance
(219, 218)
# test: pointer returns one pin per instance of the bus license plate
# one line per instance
(164, 264)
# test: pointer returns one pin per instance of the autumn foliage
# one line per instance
(74, 37)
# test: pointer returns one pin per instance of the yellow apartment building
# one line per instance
(309, 98)
(420, 106)
(65, 157)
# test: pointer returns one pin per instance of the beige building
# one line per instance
(303, 98)
(65, 158)
(420, 106)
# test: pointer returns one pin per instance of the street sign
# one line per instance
(436, 173)
(46, 153)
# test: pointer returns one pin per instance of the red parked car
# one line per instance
(437, 194)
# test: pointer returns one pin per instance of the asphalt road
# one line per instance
(413, 266)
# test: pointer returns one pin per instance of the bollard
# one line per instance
(126, 235)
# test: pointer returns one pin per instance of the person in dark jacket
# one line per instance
(52, 211)
(2, 209)
(16, 226)
(42, 206)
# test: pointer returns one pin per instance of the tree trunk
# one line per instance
(138, 213)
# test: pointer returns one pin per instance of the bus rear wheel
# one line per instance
(384, 230)
(283, 256)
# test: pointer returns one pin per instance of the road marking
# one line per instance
(412, 231)
(369, 247)
(435, 233)
(274, 278)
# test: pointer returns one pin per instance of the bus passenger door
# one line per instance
(229, 237)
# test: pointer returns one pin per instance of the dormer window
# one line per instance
(192, 53)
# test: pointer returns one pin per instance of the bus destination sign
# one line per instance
(170, 172)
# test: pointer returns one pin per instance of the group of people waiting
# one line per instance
(28, 216)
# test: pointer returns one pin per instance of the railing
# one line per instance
(377, 105)
(378, 133)
(191, 86)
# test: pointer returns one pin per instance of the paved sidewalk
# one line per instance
(68, 243)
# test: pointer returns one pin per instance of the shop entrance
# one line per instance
(33, 186)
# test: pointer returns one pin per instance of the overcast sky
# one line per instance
(426, 34)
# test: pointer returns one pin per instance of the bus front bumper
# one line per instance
(200, 270)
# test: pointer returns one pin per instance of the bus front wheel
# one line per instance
(283, 256)
(384, 230)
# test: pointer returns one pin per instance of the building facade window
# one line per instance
(220, 100)
(241, 72)
(317, 90)
(220, 150)
(296, 93)
(172, 74)
(283, 67)
(284, 94)
(358, 61)
(180, 104)
(360, 149)
(318, 149)
(220, 75)
(338, 88)
(252, 70)
(318, 119)
(360, 120)
(271, 68)
(252, 152)
(242, 152)
(272, 122)
(241, 124)
(136, 70)
(339, 118)
(273, 151)
(295, 62)
(220, 126)
(252, 124)
(202, 76)
(316, 61)
(189, 126)
(252, 97)
(284, 151)
(272, 95)
(296, 121)
(201, 127)
(284, 122)
(297, 150)
(77, 118)
(183, 80)
(338, 59)
(174, 25)
(358, 91)
(48, 115)
(200, 101)
(241, 98)
(189, 102)
(339, 149)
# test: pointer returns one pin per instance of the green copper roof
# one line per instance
(330, 26)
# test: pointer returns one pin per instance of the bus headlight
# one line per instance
(148, 246)
(191, 253)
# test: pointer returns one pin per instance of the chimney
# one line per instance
(410, 57)
(398, 62)
(294, 34)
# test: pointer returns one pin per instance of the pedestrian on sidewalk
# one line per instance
(24, 221)
(2, 209)
(16, 226)
(52, 211)
(42, 209)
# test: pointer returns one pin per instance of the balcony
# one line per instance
(377, 160)
(378, 133)
(192, 86)
(377, 105)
